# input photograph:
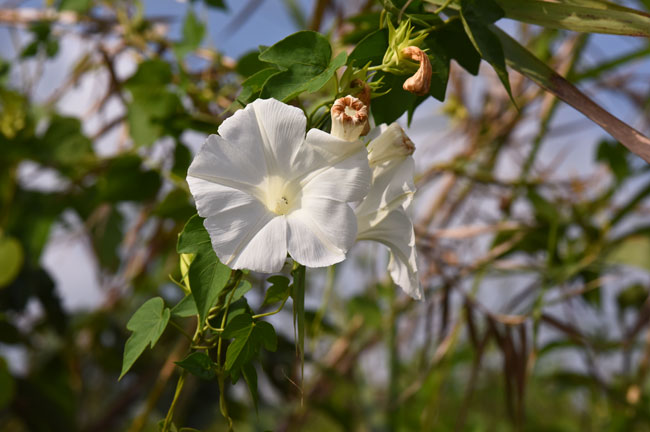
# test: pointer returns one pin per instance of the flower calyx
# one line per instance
(395, 61)
(349, 118)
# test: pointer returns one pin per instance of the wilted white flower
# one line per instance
(383, 215)
(349, 118)
(265, 189)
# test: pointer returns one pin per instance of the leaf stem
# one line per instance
(170, 412)
(262, 315)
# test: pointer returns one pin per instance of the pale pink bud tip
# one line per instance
(349, 118)
(392, 144)
(420, 82)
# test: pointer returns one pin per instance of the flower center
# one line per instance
(278, 195)
(281, 206)
(350, 111)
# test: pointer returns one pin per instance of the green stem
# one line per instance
(298, 295)
(262, 315)
(443, 7)
(170, 413)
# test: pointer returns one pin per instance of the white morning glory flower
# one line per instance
(383, 215)
(265, 189)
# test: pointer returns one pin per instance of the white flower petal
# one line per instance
(344, 174)
(235, 165)
(396, 232)
(267, 129)
(321, 232)
(392, 187)
(250, 237)
(212, 198)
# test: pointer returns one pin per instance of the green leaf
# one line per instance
(252, 87)
(633, 251)
(194, 238)
(208, 277)
(153, 106)
(176, 205)
(199, 364)
(440, 65)
(615, 156)
(520, 59)
(147, 324)
(79, 6)
(239, 329)
(304, 47)
(106, 236)
(587, 16)
(150, 74)
(249, 64)
(389, 107)
(458, 46)
(65, 147)
(242, 288)
(150, 113)
(481, 11)
(371, 49)
(632, 297)
(7, 385)
(185, 308)
(193, 34)
(11, 257)
(544, 209)
(265, 333)
(305, 58)
(219, 4)
(278, 292)
(123, 172)
(476, 15)
(299, 78)
(250, 375)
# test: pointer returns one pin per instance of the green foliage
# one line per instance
(278, 292)
(249, 337)
(483, 367)
(305, 64)
(147, 324)
(476, 15)
(208, 276)
(154, 106)
(199, 364)
(193, 34)
(11, 257)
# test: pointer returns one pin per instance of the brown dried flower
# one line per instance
(420, 82)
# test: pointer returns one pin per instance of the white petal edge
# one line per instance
(277, 131)
(321, 232)
(235, 164)
(346, 181)
(249, 237)
(396, 232)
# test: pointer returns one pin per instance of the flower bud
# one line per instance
(349, 118)
(186, 260)
(420, 82)
(392, 144)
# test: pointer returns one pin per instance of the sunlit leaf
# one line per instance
(147, 324)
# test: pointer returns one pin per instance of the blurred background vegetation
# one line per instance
(533, 230)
